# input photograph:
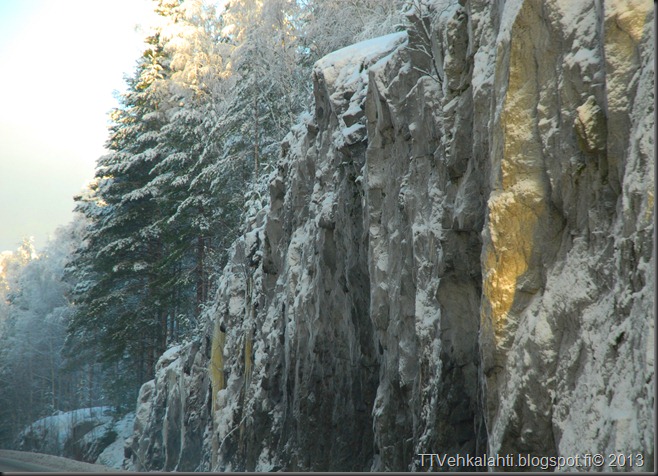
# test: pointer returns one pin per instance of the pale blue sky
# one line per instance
(60, 61)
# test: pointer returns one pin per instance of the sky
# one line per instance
(61, 64)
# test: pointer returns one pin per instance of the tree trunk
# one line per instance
(200, 274)
(256, 133)
(91, 385)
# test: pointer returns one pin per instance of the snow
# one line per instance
(170, 354)
(59, 428)
(344, 65)
(265, 461)
(55, 431)
(510, 12)
(5, 256)
(113, 455)
(354, 133)
(345, 73)
(97, 433)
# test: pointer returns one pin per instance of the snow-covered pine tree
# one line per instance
(155, 222)
(212, 97)
(265, 92)
(199, 222)
(119, 307)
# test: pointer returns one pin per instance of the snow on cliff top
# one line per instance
(345, 65)
(343, 76)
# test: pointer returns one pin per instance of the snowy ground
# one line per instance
(56, 463)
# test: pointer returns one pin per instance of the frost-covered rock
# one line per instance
(79, 434)
(92, 435)
(114, 455)
(456, 258)
(172, 414)
(298, 360)
(567, 308)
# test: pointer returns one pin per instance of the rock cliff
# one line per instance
(456, 257)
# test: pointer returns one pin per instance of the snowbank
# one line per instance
(85, 434)
(59, 434)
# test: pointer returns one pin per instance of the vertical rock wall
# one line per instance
(301, 363)
(173, 417)
(424, 201)
(567, 320)
(456, 256)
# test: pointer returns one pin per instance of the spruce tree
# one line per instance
(118, 307)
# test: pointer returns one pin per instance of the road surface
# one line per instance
(24, 462)
(8, 465)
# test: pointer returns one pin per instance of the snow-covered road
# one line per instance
(18, 461)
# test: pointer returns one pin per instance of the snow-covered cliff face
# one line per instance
(173, 421)
(456, 257)
(567, 336)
